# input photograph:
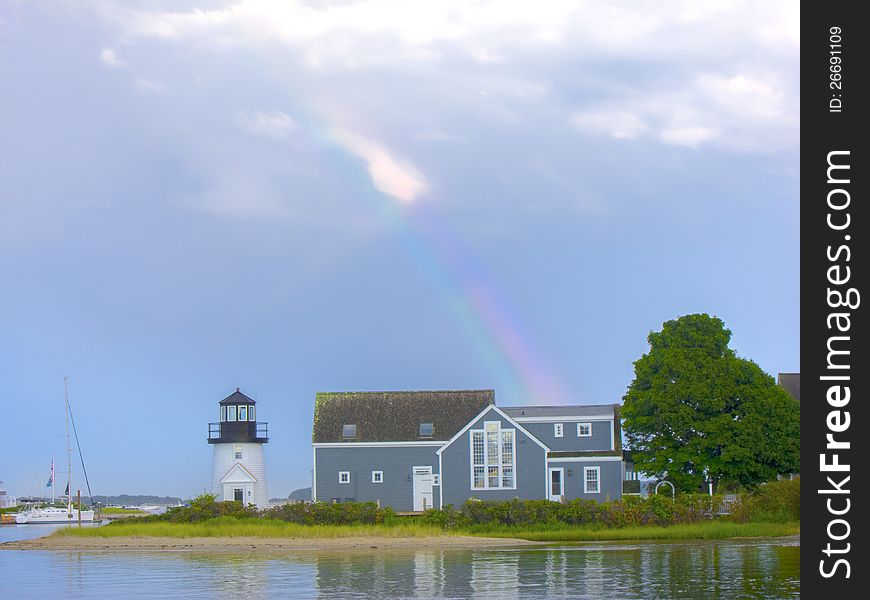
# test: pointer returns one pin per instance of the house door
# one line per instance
(238, 495)
(422, 488)
(556, 478)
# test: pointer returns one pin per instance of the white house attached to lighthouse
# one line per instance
(239, 468)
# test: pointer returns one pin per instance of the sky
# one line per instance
(291, 197)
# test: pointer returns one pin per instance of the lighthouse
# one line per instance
(239, 467)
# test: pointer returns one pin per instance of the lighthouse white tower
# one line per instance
(238, 467)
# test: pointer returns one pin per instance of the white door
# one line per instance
(556, 483)
(422, 488)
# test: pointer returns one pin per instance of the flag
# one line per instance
(51, 477)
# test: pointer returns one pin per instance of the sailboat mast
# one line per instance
(68, 448)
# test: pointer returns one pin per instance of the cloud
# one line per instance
(274, 124)
(688, 136)
(111, 59)
(621, 125)
(680, 72)
(149, 86)
(392, 176)
(738, 112)
(438, 135)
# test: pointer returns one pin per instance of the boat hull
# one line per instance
(59, 516)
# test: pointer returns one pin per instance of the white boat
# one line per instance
(54, 514)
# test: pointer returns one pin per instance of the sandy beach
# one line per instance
(254, 544)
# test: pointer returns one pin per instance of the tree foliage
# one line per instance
(696, 411)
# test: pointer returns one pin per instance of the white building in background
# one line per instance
(6, 501)
(238, 466)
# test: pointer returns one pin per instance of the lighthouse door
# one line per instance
(239, 495)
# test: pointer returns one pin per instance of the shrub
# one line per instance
(776, 501)
(626, 512)
(447, 518)
(205, 507)
(322, 513)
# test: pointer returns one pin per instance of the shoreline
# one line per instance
(249, 544)
(341, 544)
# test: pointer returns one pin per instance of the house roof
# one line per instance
(575, 410)
(396, 416)
(792, 384)
(496, 409)
(237, 397)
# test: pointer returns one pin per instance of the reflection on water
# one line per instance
(727, 569)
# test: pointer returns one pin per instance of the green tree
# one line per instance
(697, 412)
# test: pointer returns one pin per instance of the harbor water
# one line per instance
(698, 569)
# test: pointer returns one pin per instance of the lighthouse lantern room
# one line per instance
(239, 467)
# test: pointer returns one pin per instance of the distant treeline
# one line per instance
(300, 495)
(131, 500)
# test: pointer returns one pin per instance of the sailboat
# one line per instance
(53, 514)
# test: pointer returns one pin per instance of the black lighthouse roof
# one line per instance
(237, 397)
(238, 422)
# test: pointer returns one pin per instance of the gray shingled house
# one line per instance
(424, 449)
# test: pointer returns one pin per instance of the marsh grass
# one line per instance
(122, 511)
(708, 530)
(262, 528)
(270, 528)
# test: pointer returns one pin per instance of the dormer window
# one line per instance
(243, 413)
(426, 430)
(348, 431)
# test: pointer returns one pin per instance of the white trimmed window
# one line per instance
(344, 476)
(591, 480)
(377, 476)
(237, 451)
(493, 456)
(252, 413)
(584, 429)
(231, 413)
(558, 429)
(223, 413)
(243, 413)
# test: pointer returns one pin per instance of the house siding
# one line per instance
(570, 442)
(396, 462)
(456, 463)
(611, 479)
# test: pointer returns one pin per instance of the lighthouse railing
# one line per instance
(232, 431)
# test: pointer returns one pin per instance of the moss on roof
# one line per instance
(396, 416)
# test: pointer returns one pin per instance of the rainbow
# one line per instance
(516, 368)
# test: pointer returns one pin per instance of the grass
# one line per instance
(708, 530)
(263, 528)
(122, 511)
(269, 528)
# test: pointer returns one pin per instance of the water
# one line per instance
(721, 569)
